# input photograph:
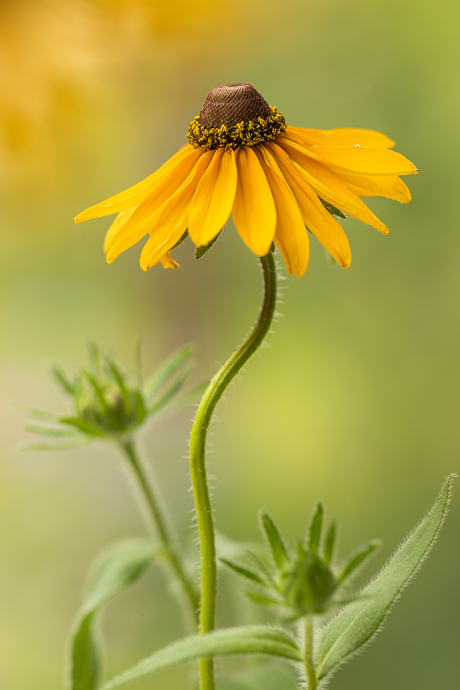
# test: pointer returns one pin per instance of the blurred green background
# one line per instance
(356, 398)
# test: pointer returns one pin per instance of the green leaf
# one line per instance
(62, 379)
(70, 445)
(189, 396)
(115, 570)
(332, 209)
(357, 559)
(260, 599)
(172, 389)
(180, 240)
(51, 431)
(39, 414)
(274, 538)
(363, 617)
(244, 640)
(316, 524)
(168, 368)
(329, 542)
(139, 404)
(201, 251)
(116, 373)
(241, 570)
(83, 426)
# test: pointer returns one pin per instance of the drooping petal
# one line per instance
(138, 192)
(213, 199)
(389, 186)
(291, 235)
(344, 136)
(118, 238)
(254, 209)
(169, 224)
(364, 160)
(330, 186)
(169, 184)
(319, 221)
(168, 261)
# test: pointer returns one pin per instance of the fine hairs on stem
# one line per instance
(200, 427)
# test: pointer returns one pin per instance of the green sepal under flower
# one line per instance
(306, 581)
(108, 403)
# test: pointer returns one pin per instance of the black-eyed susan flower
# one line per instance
(277, 181)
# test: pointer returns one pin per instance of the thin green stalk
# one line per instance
(197, 460)
(159, 522)
(310, 671)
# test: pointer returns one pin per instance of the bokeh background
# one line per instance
(356, 398)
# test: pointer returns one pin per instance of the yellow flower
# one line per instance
(276, 180)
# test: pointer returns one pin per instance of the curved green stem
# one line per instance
(197, 460)
(159, 522)
(310, 671)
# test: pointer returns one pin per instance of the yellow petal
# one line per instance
(291, 236)
(171, 221)
(389, 186)
(153, 253)
(361, 159)
(319, 221)
(213, 200)
(254, 210)
(344, 136)
(117, 239)
(330, 186)
(135, 194)
(168, 261)
(169, 184)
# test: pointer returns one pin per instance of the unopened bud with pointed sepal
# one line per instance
(307, 581)
(108, 403)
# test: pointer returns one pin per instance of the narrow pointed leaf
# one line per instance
(316, 524)
(118, 376)
(260, 599)
(171, 389)
(241, 570)
(189, 396)
(82, 425)
(63, 380)
(118, 568)
(141, 412)
(261, 566)
(363, 617)
(51, 431)
(254, 640)
(69, 445)
(39, 414)
(329, 542)
(169, 367)
(201, 251)
(274, 539)
(357, 559)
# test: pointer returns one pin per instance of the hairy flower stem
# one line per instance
(208, 403)
(310, 671)
(159, 523)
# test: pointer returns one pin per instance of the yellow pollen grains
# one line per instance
(245, 133)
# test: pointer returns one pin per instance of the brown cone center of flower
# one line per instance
(232, 104)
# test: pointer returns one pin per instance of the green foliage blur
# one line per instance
(356, 399)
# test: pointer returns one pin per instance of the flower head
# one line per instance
(277, 181)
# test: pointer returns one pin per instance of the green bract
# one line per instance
(107, 403)
(304, 582)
